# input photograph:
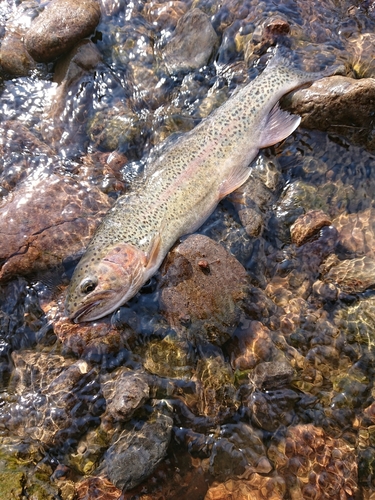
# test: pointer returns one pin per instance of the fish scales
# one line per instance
(181, 190)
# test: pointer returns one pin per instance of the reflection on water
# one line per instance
(283, 405)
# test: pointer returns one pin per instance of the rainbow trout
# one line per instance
(180, 192)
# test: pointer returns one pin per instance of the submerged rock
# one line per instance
(337, 104)
(215, 387)
(83, 58)
(238, 452)
(60, 26)
(243, 489)
(356, 233)
(202, 288)
(137, 451)
(307, 225)
(125, 391)
(64, 217)
(353, 275)
(192, 43)
(170, 357)
(314, 464)
(48, 394)
(14, 58)
(96, 488)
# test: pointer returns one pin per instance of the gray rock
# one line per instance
(82, 59)
(136, 452)
(124, 392)
(60, 26)
(192, 43)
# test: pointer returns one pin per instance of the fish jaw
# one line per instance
(100, 285)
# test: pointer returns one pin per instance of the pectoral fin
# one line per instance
(153, 254)
(237, 177)
(279, 126)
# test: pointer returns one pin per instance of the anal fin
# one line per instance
(279, 126)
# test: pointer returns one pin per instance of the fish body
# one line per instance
(181, 190)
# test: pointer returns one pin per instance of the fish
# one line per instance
(181, 189)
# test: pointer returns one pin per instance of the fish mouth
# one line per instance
(76, 317)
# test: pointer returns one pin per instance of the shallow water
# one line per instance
(284, 408)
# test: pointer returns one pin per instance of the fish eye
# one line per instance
(88, 285)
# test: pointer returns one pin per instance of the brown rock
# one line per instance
(337, 104)
(202, 287)
(60, 26)
(86, 338)
(45, 220)
(14, 58)
(251, 344)
(266, 34)
(97, 488)
(165, 15)
(307, 225)
(353, 275)
(357, 232)
(241, 489)
(314, 464)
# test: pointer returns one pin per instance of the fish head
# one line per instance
(102, 281)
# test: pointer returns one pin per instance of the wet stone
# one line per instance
(43, 409)
(356, 233)
(336, 104)
(353, 275)
(271, 409)
(49, 37)
(165, 15)
(192, 43)
(238, 451)
(269, 32)
(89, 340)
(125, 391)
(215, 386)
(170, 357)
(250, 344)
(36, 369)
(272, 374)
(14, 58)
(314, 464)
(202, 288)
(15, 61)
(96, 488)
(83, 58)
(307, 225)
(243, 489)
(65, 216)
(136, 451)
